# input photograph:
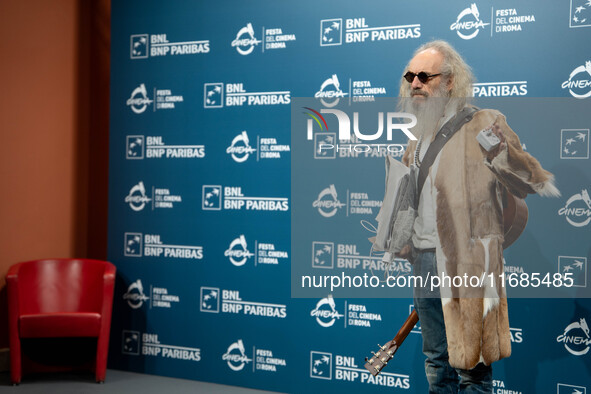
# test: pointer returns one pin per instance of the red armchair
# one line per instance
(60, 298)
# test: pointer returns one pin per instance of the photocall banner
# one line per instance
(234, 177)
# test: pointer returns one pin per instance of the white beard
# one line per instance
(428, 109)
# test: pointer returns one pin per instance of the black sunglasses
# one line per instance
(423, 76)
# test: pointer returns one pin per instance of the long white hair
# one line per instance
(453, 67)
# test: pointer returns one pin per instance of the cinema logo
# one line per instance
(468, 23)
(236, 95)
(500, 89)
(150, 346)
(240, 148)
(273, 38)
(234, 199)
(266, 148)
(357, 30)
(135, 295)
(579, 81)
(358, 203)
(577, 210)
(327, 202)
(245, 40)
(138, 147)
(236, 357)
(153, 45)
(137, 198)
(330, 91)
(238, 251)
(139, 100)
(356, 143)
(160, 297)
(264, 253)
(324, 255)
(346, 369)
(576, 338)
(161, 198)
(151, 245)
(232, 302)
(264, 359)
(506, 20)
(326, 313)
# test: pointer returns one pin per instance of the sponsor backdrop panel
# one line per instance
(218, 202)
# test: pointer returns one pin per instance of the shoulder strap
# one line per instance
(444, 135)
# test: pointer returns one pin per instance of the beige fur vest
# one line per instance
(467, 191)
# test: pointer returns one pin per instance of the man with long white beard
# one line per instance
(459, 225)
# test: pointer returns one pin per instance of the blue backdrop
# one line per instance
(205, 224)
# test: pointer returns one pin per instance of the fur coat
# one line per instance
(467, 190)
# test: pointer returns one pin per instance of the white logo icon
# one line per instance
(210, 299)
(245, 40)
(576, 267)
(133, 245)
(576, 345)
(574, 143)
(581, 82)
(238, 251)
(134, 148)
(577, 214)
(331, 32)
(135, 295)
(235, 356)
(240, 148)
(328, 202)
(467, 24)
(137, 198)
(139, 46)
(326, 312)
(131, 343)
(322, 140)
(322, 254)
(336, 93)
(580, 13)
(213, 95)
(320, 365)
(212, 197)
(139, 100)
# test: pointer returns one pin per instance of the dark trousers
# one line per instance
(442, 377)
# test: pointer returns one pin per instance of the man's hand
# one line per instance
(404, 252)
(496, 130)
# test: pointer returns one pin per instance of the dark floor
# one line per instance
(117, 382)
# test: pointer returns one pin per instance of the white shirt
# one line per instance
(425, 227)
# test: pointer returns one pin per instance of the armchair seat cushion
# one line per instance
(61, 324)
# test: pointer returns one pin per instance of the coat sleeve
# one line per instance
(516, 169)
